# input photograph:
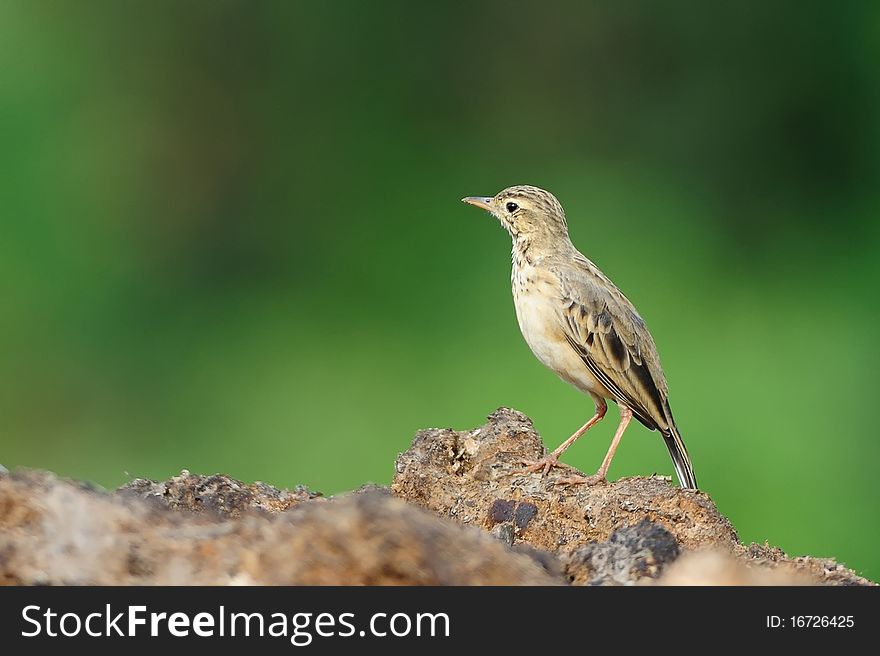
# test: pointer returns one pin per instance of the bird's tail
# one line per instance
(680, 458)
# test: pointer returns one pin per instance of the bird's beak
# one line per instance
(483, 202)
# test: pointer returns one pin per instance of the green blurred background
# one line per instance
(231, 237)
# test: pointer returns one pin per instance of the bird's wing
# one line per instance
(605, 330)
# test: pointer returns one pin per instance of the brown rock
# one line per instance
(631, 554)
(472, 477)
(713, 567)
(623, 532)
(825, 571)
(218, 494)
(215, 530)
(57, 532)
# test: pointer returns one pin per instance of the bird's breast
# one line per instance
(536, 297)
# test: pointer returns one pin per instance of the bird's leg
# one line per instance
(548, 462)
(625, 417)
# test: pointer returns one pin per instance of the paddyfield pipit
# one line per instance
(581, 326)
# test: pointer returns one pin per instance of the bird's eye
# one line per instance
(512, 207)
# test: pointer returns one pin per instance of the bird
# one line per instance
(581, 326)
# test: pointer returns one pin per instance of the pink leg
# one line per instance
(625, 417)
(552, 460)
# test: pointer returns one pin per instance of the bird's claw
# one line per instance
(544, 465)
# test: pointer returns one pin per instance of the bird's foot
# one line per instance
(544, 465)
(580, 480)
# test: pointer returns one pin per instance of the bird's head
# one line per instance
(525, 211)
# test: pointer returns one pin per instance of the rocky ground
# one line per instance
(457, 513)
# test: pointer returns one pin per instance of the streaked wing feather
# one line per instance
(609, 336)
